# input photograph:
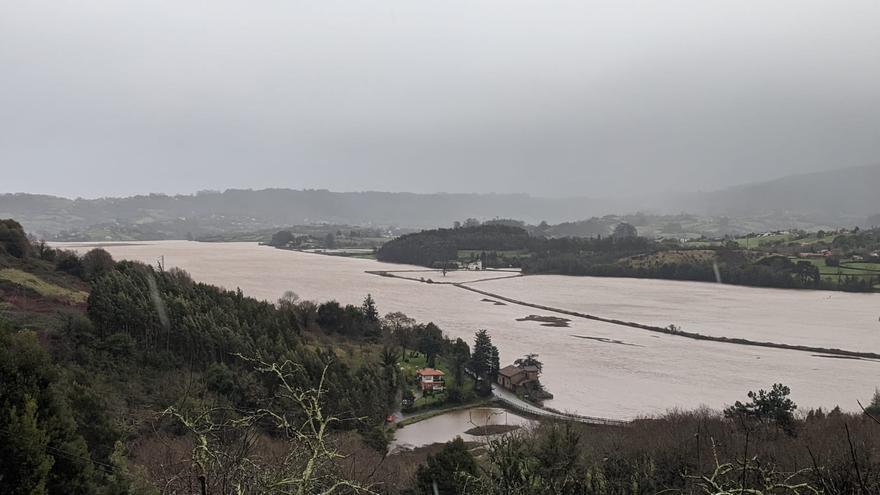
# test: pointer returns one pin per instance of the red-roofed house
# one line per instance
(430, 379)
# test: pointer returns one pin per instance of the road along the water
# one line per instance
(511, 400)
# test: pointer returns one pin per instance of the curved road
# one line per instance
(515, 402)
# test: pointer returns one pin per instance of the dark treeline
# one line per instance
(429, 247)
(616, 255)
(860, 240)
(164, 320)
(732, 266)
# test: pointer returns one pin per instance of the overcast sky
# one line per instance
(547, 97)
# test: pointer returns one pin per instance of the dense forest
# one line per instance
(430, 247)
(85, 379)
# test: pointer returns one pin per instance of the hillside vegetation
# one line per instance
(161, 384)
(811, 201)
(625, 254)
(95, 350)
(836, 197)
(432, 247)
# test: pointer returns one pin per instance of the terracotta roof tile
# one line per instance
(430, 372)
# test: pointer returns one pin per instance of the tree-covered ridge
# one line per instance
(641, 258)
(89, 379)
(166, 319)
(625, 253)
(430, 247)
(166, 312)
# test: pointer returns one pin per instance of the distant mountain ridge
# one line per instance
(236, 209)
(839, 196)
(843, 197)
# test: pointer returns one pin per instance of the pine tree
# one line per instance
(461, 353)
(26, 464)
(874, 408)
(39, 425)
(482, 357)
(369, 309)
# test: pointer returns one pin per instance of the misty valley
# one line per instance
(475, 247)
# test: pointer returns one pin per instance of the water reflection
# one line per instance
(446, 427)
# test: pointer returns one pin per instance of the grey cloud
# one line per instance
(554, 98)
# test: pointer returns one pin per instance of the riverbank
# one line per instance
(471, 423)
(410, 420)
(430, 280)
(501, 414)
(364, 253)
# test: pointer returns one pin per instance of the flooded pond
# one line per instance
(453, 424)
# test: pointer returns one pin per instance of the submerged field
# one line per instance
(591, 367)
(799, 317)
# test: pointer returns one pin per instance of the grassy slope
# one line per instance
(42, 287)
(33, 295)
(831, 272)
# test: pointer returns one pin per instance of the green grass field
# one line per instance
(844, 269)
(41, 286)
(832, 273)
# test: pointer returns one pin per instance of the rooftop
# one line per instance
(514, 370)
(430, 372)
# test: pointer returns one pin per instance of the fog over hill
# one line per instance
(837, 197)
(834, 198)
(240, 210)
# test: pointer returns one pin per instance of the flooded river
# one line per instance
(592, 368)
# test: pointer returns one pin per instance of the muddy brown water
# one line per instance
(452, 424)
(586, 367)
